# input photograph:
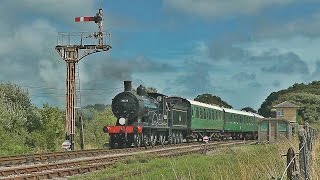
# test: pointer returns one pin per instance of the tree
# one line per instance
(50, 134)
(93, 133)
(249, 109)
(210, 99)
(148, 90)
(304, 95)
(97, 107)
(16, 115)
(151, 90)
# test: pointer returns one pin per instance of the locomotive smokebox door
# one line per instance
(122, 121)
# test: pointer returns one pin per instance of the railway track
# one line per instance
(79, 162)
(7, 161)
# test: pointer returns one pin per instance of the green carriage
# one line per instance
(241, 124)
(222, 123)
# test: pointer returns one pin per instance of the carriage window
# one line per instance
(184, 117)
(203, 114)
(197, 113)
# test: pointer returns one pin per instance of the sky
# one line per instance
(239, 50)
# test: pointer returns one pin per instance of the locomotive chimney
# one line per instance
(127, 86)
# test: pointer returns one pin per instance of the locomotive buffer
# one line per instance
(72, 47)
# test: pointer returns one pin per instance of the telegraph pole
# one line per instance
(72, 47)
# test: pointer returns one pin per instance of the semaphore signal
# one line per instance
(72, 53)
(84, 18)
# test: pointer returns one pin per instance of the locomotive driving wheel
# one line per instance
(153, 138)
(174, 137)
(137, 140)
(180, 137)
(162, 139)
(145, 140)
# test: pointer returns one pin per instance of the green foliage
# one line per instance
(306, 96)
(23, 127)
(16, 112)
(93, 134)
(151, 90)
(148, 90)
(97, 107)
(50, 133)
(210, 99)
(249, 109)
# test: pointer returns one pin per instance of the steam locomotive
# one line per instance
(145, 119)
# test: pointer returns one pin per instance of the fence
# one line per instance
(301, 170)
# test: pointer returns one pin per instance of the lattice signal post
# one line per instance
(72, 47)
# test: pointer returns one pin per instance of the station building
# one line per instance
(286, 110)
(281, 124)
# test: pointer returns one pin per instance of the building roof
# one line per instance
(286, 104)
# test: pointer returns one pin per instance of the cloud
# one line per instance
(270, 56)
(216, 8)
(316, 73)
(307, 25)
(27, 46)
(244, 76)
(54, 9)
(29, 52)
(288, 63)
(28, 34)
(228, 46)
(123, 69)
(199, 76)
(255, 84)
(109, 73)
(276, 83)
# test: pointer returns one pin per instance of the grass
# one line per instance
(246, 162)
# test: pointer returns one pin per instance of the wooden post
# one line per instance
(291, 164)
(81, 133)
(303, 153)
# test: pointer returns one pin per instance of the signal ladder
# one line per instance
(78, 93)
(78, 110)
